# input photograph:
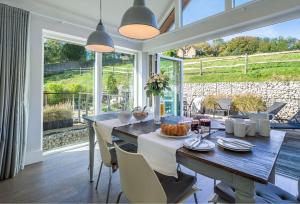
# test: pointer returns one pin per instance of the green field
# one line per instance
(70, 80)
(260, 68)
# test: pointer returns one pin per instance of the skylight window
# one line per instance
(200, 9)
(240, 2)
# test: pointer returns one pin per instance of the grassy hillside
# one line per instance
(69, 79)
(271, 67)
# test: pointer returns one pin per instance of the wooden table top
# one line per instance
(256, 165)
(101, 117)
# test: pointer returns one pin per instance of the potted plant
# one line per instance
(57, 116)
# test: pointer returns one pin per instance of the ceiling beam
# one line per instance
(254, 15)
(170, 20)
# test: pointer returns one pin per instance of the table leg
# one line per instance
(272, 176)
(245, 189)
(91, 151)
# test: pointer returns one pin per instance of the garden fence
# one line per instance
(244, 62)
(83, 103)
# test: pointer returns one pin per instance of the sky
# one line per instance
(199, 9)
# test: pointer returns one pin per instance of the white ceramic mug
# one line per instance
(256, 117)
(264, 129)
(252, 128)
(229, 125)
(240, 129)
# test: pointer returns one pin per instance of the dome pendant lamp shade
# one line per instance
(139, 22)
(99, 40)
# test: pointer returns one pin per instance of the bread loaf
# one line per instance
(174, 130)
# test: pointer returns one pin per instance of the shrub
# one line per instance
(55, 89)
(240, 103)
(62, 111)
(248, 103)
(210, 101)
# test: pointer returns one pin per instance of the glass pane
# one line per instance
(68, 93)
(199, 9)
(118, 74)
(240, 2)
(172, 98)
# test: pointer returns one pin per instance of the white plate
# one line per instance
(204, 146)
(233, 147)
(175, 137)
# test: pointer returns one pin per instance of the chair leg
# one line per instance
(109, 183)
(178, 167)
(195, 197)
(119, 197)
(98, 179)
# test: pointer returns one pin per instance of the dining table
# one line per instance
(241, 170)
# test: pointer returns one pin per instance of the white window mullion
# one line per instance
(178, 14)
(98, 83)
(229, 4)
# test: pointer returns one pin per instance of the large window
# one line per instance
(200, 9)
(118, 80)
(68, 93)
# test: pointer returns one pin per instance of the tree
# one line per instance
(203, 49)
(218, 46)
(71, 52)
(52, 51)
(297, 45)
(112, 85)
(170, 53)
(264, 45)
(242, 45)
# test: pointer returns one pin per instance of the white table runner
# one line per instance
(106, 126)
(160, 152)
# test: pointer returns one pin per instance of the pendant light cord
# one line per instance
(100, 9)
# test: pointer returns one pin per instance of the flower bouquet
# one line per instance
(156, 85)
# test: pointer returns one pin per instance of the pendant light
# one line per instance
(139, 22)
(99, 40)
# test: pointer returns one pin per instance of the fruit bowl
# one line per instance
(140, 115)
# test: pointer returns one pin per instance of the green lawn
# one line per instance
(272, 71)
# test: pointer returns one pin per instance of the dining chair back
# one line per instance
(140, 184)
(103, 146)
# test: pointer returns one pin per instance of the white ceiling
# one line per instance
(112, 9)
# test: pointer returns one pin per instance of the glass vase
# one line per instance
(156, 109)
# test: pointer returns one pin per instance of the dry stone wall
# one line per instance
(288, 92)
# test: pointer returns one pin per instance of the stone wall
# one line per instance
(288, 92)
(57, 138)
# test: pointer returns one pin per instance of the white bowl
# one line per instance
(125, 116)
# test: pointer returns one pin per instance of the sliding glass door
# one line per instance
(172, 67)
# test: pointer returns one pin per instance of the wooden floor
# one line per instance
(63, 178)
